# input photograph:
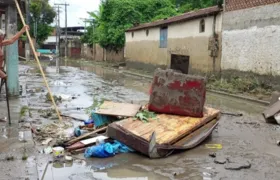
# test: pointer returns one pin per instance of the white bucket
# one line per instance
(58, 152)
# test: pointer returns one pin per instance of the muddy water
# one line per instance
(248, 137)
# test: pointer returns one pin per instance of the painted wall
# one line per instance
(251, 40)
(183, 39)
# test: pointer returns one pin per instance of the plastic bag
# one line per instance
(106, 150)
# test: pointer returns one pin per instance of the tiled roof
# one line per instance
(183, 17)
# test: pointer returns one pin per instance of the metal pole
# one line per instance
(66, 33)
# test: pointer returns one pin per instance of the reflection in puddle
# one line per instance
(81, 170)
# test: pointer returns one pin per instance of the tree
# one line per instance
(189, 5)
(42, 15)
(116, 16)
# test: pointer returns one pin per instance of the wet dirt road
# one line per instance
(247, 137)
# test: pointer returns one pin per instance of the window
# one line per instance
(147, 32)
(202, 26)
(163, 37)
(132, 34)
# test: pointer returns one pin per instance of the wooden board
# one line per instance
(118, 109)
(169, 128)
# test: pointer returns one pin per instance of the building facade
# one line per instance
(190, 43)
(251, 36)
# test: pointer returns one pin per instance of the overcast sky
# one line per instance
(77, 9)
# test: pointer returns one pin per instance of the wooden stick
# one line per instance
(38, 62)
(85, 136)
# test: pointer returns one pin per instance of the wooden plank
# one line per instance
(169, 128)
(118, 109)
(85, 136)
(195, 133)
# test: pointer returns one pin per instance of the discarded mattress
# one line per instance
(177, 93)
(164, 134)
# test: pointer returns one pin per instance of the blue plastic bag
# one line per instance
(107, 150)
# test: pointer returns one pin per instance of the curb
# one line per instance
(211, 91)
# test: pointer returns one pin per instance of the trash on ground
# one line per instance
(55, 130)
(156, 139)
(48, 150)
(271, 114)
(177, 93)
(78, 131)
(72, 141)
(87, 142)
(100, 120)
(58, 152)
(68, 158)
(107, 150)
(118, 109)
(47, 141)
(214, 146)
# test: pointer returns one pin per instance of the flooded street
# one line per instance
(247, 137)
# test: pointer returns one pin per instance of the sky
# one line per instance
(77, 9)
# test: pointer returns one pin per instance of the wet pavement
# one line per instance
(247, 137)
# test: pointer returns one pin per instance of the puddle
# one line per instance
(84, 171)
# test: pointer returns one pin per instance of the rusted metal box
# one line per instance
(177, 93)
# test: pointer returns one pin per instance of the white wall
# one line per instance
(251, 40)
(178, 30)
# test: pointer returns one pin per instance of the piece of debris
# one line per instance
(87, 142)
(68, 158)
(232, 114)
(237, 164)
(118, 109)
(85, 136)
(58, 152)
(3, 119)
(214, 146)
(48, 150)
(47, 141)
(278, 143)
(10, 158)
(272, 113)
(107, 150)
(213, 154)
(220, 160)
(177, 93)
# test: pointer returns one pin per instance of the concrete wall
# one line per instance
(251, 40)
(97, 53)
(183, 39)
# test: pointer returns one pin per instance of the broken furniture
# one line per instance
(177, 93)
(162, 135)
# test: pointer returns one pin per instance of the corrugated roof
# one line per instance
(183, 17)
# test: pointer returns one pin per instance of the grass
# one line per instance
(240, 85)
(23, 111)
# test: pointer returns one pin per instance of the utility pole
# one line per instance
(57, 38)
(27, 47)
(65, 32)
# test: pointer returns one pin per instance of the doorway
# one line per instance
(180, 63)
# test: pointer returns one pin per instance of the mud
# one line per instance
(239, 136)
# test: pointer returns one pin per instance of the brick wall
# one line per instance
(232, 5)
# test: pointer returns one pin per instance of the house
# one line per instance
(190, 43)
(251, 36)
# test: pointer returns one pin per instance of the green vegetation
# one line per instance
(23, 111)
(247, 84)
(116, 16)
(145, 115)
(42, 15)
